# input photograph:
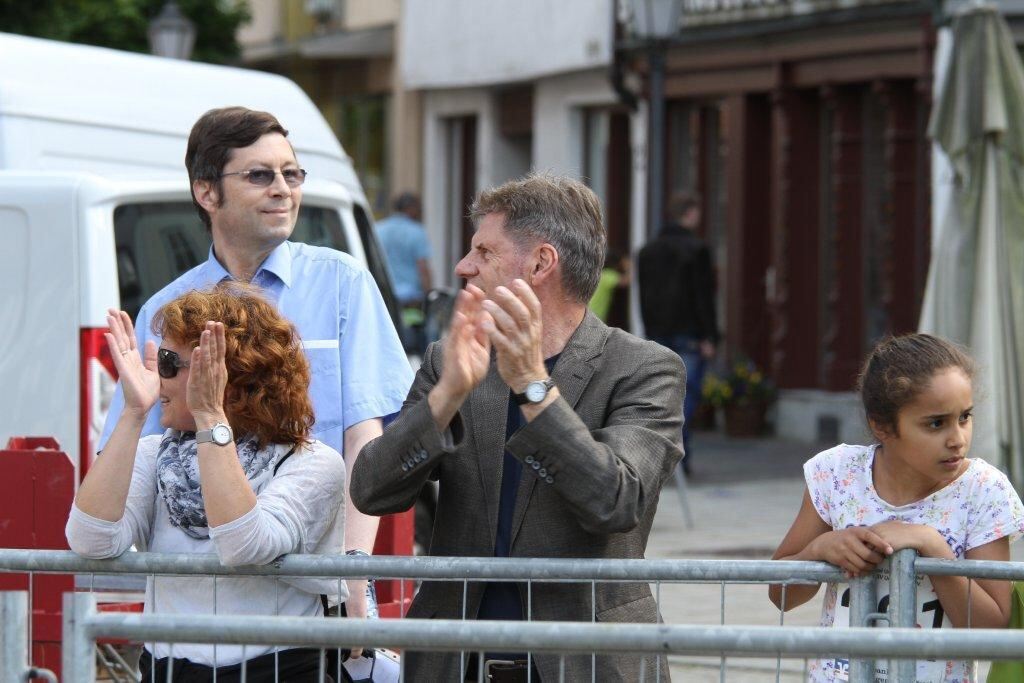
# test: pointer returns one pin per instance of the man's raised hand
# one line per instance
(467, 356)
(513, 323)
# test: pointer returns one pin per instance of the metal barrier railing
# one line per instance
(84, 625)
(430, 568)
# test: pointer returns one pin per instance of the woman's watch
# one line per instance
(219, 434)
(372, 611)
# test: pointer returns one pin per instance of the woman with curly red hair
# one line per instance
(235, 473)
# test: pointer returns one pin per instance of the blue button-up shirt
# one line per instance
(359, 370)
(404, 242)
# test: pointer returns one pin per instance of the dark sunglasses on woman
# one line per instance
(168, 362)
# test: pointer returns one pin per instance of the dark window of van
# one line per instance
(377, 263)
(157, 242)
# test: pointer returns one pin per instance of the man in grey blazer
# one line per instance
(550, 433)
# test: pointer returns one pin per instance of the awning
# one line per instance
(362, 44)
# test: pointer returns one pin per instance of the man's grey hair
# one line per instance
(559, 210)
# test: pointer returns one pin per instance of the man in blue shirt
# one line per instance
(247, 187)
(404, 241)
(408, 252)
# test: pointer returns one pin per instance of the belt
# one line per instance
(506, 670)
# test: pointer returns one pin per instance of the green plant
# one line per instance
(745, 384)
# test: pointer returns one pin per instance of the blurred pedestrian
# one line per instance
(677, 299)
(408, 252)
(615, 276)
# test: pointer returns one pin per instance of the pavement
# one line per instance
(743, 495)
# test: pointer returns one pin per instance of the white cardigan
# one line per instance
(300, 510)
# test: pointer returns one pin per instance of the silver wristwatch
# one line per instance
(219, 434)
(535, 391)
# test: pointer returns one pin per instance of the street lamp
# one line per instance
(653, 23)
(171, 33)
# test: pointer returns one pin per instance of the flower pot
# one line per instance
(703, 418)
(745, 419)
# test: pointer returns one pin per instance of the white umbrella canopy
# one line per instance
(975, 290)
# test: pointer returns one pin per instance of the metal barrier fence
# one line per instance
(84, 625)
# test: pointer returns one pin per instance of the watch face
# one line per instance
(221, 435)
(536, 391)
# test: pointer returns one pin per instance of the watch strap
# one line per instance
(206, 435)
(522, 400)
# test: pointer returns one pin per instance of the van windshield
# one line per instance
(157, 242)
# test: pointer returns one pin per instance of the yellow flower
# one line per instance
(756, 377)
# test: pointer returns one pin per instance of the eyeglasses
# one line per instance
(263, 177)
(168, 362)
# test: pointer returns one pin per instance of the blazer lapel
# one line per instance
(571, 373)
(488, 406)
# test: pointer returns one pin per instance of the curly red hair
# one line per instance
(268, 375)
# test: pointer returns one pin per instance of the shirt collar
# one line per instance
(278, 263)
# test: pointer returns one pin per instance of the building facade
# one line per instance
(803, 126)
(344, 55)
(509, 88)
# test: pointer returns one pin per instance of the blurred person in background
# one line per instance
(677, 299)
(408, 252)
(235, 472)
(615, 276)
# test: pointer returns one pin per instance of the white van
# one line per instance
(95, 212)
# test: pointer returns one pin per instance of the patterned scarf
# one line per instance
(177, 477)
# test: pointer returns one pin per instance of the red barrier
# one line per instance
(395, 537)
(36, 491)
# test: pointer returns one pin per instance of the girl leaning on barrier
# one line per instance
(235, 473)
(915, 488)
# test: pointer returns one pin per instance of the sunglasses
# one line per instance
(263, 177)
(168, 362)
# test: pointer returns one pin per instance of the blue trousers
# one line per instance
(688, 349)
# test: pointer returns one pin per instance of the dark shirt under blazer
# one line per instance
(594, 462)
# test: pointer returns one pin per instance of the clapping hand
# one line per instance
(467, 350)
(513, 323)
(139, 379)
(467, 356)
(208, 375)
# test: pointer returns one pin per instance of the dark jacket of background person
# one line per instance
(677, 287)
(594, 464)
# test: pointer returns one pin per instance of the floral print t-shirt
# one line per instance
(979, 507)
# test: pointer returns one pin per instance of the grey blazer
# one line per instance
(593, 466)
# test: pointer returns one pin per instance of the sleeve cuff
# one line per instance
(226, 528)
(85, 519)
(427, 442)
(388, 404)
(431, 438)
(532, 444)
